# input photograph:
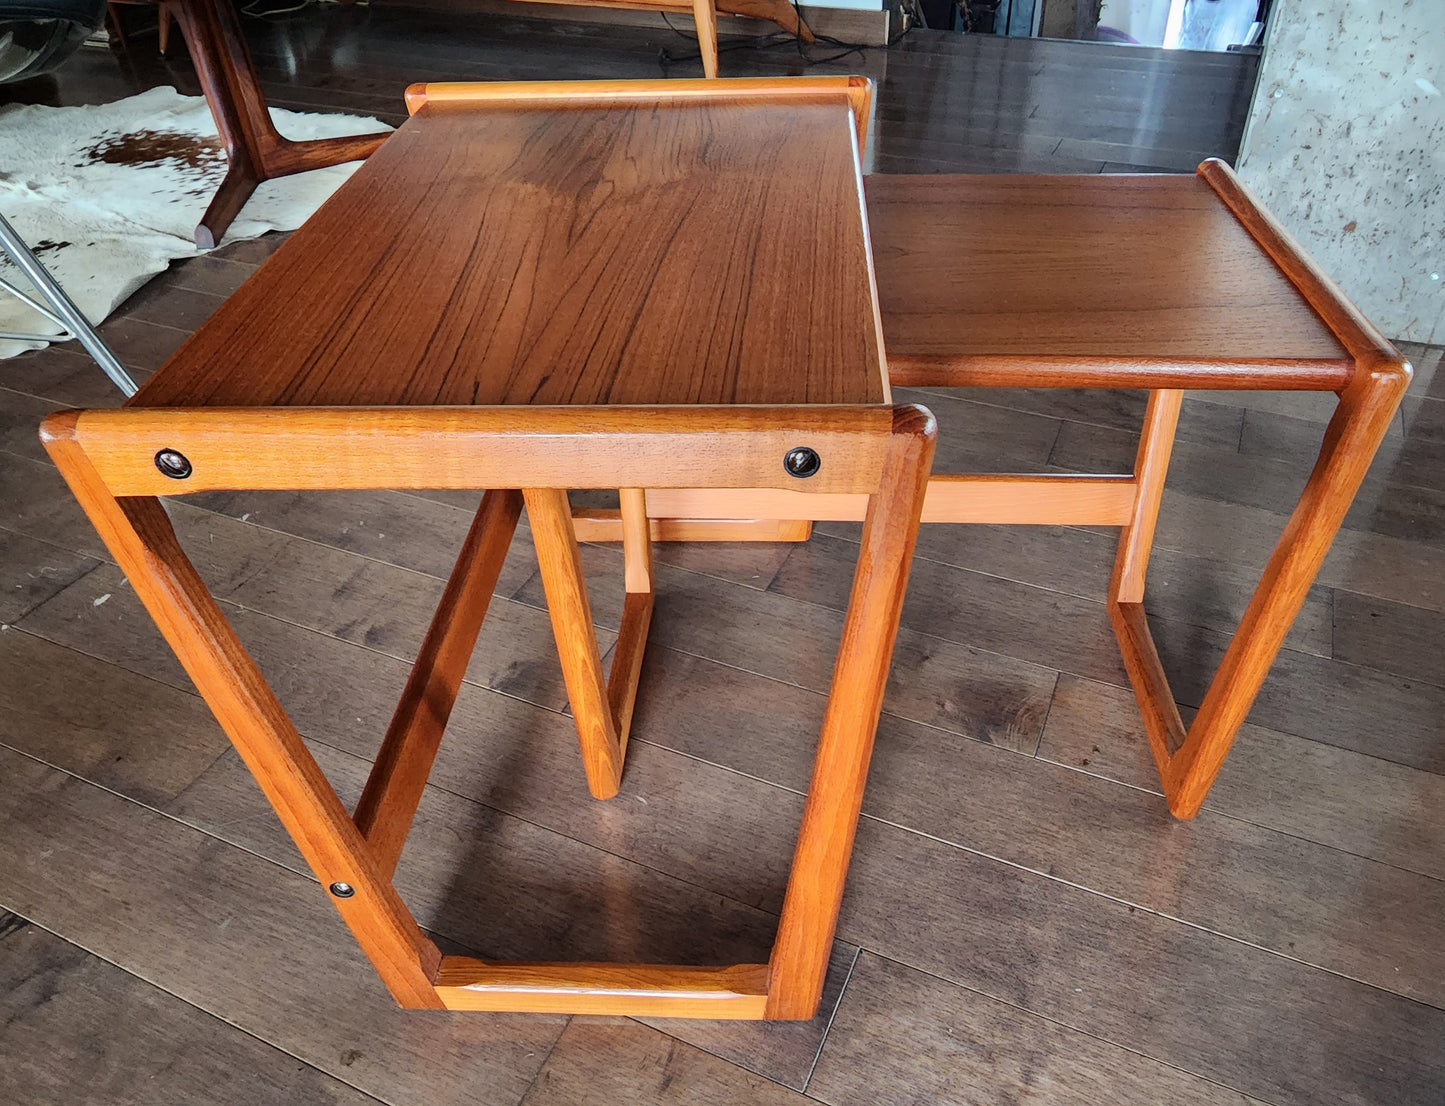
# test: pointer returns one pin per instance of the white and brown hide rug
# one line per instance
(107, 195)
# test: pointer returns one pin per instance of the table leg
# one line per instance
(704, 16)
(388, 803)
(1190, 760)
(601, 727)
(850, 721)
(102, 453)
(255, 150)
(138, 532)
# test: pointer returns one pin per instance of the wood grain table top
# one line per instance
(1131, 268)
(706, 252)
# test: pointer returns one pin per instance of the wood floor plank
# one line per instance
(336, 593)
(32, 571)
(1370, 564)
(1362, 804)
(1264, 1025)
(767, 728)
(1280, 437)
(1391, 637)
(598, 1063)
(242, 939)
(63, 373)
(39, 505)
(505, 887)
(1421, 460)
(1428, 381)
(1046, 627)
(409, 531)
(1382, 507)
(100, 721)
(977, 437)
(20, 416)
(168, 304)
(217, 276)
(515, 651)
(1182, 587)
(1316, 697)
(1356, 917)
(903, 1037)
(333, 693)
(59, 1009)
(140, 344)
(1352, 707)
(932, 681)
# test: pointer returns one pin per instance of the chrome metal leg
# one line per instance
(62, 310)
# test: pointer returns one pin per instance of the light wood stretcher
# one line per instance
(525, 291)
(1162, 283)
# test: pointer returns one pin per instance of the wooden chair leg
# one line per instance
(139, 534)
(1190, 760)
(850, 721)
(704, 15)
(255, 149)
(163, 25)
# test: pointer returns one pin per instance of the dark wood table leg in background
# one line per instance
(254, 149)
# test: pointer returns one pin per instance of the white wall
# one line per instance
(1346, 145)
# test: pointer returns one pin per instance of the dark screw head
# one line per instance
(173, 464)
(802, 462)
(342, 890)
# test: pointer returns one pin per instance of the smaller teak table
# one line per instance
(527, 289)
(1162, 283)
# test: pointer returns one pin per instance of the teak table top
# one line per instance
(1129, 268)
(693, 252)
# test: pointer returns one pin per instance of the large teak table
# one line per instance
(530, 289)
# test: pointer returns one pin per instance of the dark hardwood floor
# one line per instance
(1024, 922)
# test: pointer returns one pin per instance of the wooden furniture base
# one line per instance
(255, 151)
(1158, 283)
(109, 459)
(608, 357)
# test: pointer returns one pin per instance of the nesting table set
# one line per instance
(668, 289)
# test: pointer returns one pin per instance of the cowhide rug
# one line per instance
(107, 195)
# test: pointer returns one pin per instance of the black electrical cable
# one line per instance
(778, 38)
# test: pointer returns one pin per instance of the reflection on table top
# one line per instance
(1123, 267)
(698, 252)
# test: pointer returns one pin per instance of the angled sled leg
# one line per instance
(602, 708)
(1189, 760)
(881, 455)
(138, 532)
(389, 801)
(850, 721)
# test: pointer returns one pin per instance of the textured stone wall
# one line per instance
(1346, 145)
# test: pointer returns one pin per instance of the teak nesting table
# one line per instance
(1161, 283)
(527, 289)
(666, 288)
